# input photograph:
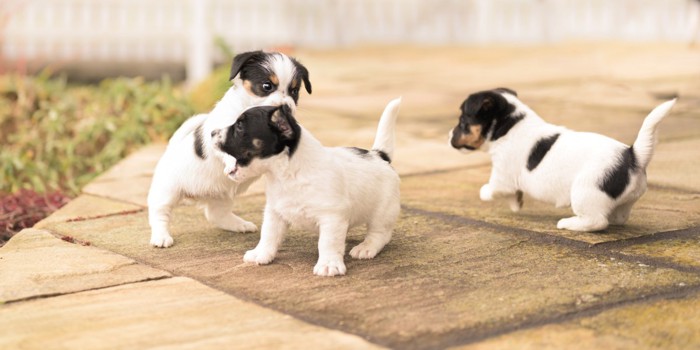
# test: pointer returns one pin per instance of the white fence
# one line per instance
(182, 31)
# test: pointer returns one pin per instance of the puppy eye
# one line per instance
(238, 127)
(267, 86)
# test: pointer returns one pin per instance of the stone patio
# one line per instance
(459, 273)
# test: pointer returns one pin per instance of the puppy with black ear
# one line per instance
(600, 178)
(328, 190)
(192, 168)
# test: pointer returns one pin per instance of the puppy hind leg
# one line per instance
(591, 207)
(620, 214)
(379, 232)
(220, 213)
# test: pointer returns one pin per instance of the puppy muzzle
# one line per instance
(455, 136)
(279, 100)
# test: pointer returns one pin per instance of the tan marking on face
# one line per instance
(248, 86)
(295, 83)
(274, 79)
(473, 138)
(257, 143)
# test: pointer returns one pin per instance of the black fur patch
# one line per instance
(365, 153)
(384, 156)
(618, 177)
(540, 150)
(199, 143)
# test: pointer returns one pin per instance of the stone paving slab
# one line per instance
(174, 313)
(457, 192)
(34, 263)
(662, 324)
(86, 207)
(442, 279)
(680, 247)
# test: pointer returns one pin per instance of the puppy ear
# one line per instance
(463, 106)
(282, 120)
(479, 103)
(241, 59)
(304, 75)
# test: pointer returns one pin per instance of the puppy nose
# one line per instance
(214, 133)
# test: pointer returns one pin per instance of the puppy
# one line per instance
(192, 168)
(600, 178)
(314, 187)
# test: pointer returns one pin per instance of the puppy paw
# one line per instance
(486, 193)
(258, 256)
(238, 225)
(162, 240)
(364, 250)
(329, 267)
(582, 224)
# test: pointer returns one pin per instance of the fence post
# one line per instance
(199, 55)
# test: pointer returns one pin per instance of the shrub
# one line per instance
(56, 136)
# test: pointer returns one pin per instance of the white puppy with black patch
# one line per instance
(313, 187)
(192, 168)
(600, 178)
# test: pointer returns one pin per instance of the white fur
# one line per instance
(181, 174)
(329, 190)
(571, 171)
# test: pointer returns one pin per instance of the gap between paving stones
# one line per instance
(52, 295)
(676, 293)
(588, 249)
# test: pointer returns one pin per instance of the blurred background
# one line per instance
(83, 83)
(95, 39)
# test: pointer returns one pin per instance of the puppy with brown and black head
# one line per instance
(600, 178)
(322, 189)
(192, 168)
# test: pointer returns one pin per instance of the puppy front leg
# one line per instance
(515, 199)
(271, 235)
(331, 247)
(220, 213)
(160, 203)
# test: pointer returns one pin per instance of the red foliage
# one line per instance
(25, 208)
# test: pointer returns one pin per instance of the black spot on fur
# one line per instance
(540, 150)
(366, 154)
(618, 177)
(274, 127)
(384, 156)
(199, 143)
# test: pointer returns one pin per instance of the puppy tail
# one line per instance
(646, 139)
(384, 141)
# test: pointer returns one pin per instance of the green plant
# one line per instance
(55, 136)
